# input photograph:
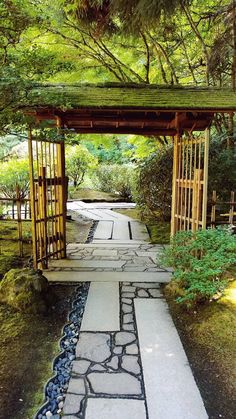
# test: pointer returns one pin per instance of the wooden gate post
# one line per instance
(205, 177)
(174, 220)
(32, 198)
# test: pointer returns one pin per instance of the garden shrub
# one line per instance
(200, 261)
(155, 183)
(117, 179)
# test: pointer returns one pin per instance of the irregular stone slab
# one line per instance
(118, 350)
(127, 288)
(128, 327)
(68, 277)
(126, 300)
(102, 309)
(115, 409)
(126, 308)
(72, 404)
(142, 293)
(123, 338)
(76, 386)
(120, 383)
(80, 367)
(130, 364)
(128, 318)
(153, 255)
(105, 253)
(170, 387)
(94, 346)
(113, 363)
(97, 367)
(132, 349)
(145, 285)
(128, 294)
(155, 293)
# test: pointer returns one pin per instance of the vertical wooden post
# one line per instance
(43, 215)
(213, 210)
(32, 198)
(205, 178)
(62, 194)
(231, 210)
(174, 185)
(19, 220)
(175, 175)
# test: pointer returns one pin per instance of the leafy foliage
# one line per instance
(78, 161)
(14, 172)
(200, 261)
(155, 183)
(117, 179)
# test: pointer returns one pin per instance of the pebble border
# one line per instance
(91, 232)
(56, 386)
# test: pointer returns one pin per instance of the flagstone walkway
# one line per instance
(130, 363)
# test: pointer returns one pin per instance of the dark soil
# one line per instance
(28, 345)
(209, 339)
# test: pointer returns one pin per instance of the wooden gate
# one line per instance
(190, 178)
(48, 198)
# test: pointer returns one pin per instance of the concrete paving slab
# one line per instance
(77, 263)
(68, 277)
(123, 242)
(102, 310)
(139, 231)
(103, 230)
(115, 408)
(121, 231)
(171, 390)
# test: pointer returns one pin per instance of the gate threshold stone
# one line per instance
(102, 310)
(115, 409)
(171, 390)
(68, 277)
(77, 263)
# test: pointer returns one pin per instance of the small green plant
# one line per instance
(200, 261)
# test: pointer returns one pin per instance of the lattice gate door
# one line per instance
(48, 199)
(190, 178)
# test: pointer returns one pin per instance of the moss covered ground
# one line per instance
(159, 230)
(28, 344)
(88, 194)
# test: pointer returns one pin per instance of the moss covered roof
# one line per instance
(117, 96)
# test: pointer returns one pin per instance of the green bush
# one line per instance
(155, 184)
(200, 261)
(116, 179)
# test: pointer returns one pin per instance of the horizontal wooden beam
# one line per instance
(125, 130)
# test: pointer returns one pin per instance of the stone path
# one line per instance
(130, 363)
